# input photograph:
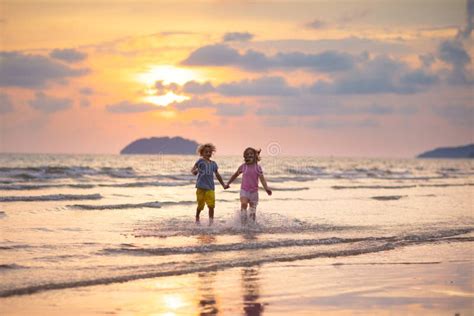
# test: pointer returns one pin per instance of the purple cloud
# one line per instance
(223, 55)
(33, 71)
(222, 109)
(237, 37)
(128, 107)
(68, 55)
(194, 87)
(381, 74)
(49, 104)
(316, 24)
(86, 91)
(265, 86)
(453, 53)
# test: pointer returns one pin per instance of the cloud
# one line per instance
(6, 105)
(467, 30)
(213, 55)
(86, 91)
(48, 104)
(128, 107)
(352, 45)
(328, 61)
(457, 114)
(265, 86)
(316, 24)
(33, 71)
(337, 124)
(161, 88)
(237, 37)
(427, 60)
(68, 55)
(453, 53)
(320, 123)
(381, 74)
(354, 16)
(192, 103)
(222, 109)
(308, 105)
(299, 106)
(194, 87)
(223, 55)
(418, 78)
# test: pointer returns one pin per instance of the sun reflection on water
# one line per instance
(173, 301)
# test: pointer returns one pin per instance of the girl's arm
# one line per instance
(219, 178)
(264, 183)
(234, 176)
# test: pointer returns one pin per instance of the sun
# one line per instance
(168, 74)
(164, 100)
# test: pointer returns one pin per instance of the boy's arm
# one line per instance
(234, 176)
(264, 183)
(194, 170)
(219, 178)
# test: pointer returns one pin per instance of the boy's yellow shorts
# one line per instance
(205, 197)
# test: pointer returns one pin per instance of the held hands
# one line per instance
(226, 186)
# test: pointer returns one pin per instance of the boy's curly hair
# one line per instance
(255, 151)
(201, 148)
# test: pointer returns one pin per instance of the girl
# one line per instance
(249, 188)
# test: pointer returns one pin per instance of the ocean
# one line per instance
(75, 222)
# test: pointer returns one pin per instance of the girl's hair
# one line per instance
(255, 152)
(201, 148)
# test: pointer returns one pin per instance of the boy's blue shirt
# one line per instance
(205, 178)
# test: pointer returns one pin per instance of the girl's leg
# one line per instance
(244, 202)
(253, 211)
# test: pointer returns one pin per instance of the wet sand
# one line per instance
(415, 280)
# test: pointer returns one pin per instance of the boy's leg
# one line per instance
(200, 201)
(211, 215)
(198, 212)
(211, 203)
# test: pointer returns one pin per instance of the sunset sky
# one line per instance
(328, 78)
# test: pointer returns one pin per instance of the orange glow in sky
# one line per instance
(326, 78)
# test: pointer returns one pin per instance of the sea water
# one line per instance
(69, 221)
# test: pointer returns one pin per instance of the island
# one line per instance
(161, 145)
(461, 152)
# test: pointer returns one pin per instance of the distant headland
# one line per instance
(161, 145)
(450, 152)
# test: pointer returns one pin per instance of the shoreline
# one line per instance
(441, 283)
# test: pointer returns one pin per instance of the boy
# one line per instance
(205, 169)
